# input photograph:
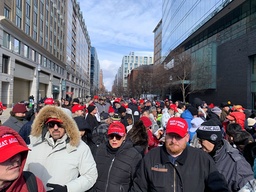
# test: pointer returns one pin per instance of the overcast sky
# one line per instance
(117, 27)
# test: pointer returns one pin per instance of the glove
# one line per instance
(57, 188)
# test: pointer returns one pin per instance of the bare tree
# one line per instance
(190, 75)
(160, 79)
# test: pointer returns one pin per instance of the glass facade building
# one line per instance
(182, 17)
(220, 37)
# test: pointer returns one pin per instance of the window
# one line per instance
(27, 29)
(35, 18)
(16, 46)
(41, 40)
(44, 61)
(27, 10)
(35, 35)
(26, 51)
(39, 58)
(48, 64)
(7, 40)
(45, 44)
(41, 8)
(35, 3)
(19, 4)
(18, 21)
(7, 12)
(33, 54)
(5, 64)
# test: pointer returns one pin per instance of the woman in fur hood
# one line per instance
(58, 156)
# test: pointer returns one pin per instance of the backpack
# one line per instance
(99, 134)
(30, 180)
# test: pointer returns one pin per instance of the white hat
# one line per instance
(196, 122)
(251, 122)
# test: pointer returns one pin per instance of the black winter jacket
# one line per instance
(193, 171)
(116, 171)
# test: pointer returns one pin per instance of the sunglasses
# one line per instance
(53, 123)
(111, 136)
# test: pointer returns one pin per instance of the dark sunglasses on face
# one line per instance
(111, 136)
(53, 123)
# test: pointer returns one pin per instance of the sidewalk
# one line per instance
(5, 115)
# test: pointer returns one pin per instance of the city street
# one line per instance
(5, 115)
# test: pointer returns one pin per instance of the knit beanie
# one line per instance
(90, 108)
(193, 110)
(216, 110)
(19, 108)
(209, 131)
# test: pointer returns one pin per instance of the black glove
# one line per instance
(57, 188)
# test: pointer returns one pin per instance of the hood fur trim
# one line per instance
(68, 123)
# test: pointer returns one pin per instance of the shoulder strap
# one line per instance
(30, 180)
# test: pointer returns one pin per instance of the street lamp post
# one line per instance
(38, 83)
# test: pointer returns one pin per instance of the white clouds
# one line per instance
(117, 27)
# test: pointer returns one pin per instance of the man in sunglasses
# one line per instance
(116, 160)
(58, 156)
(175, 166)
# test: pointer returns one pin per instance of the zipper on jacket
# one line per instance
(174, 177)
(106, 189)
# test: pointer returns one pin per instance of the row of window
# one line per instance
(37, 25)
(29, 53)
(142, 59)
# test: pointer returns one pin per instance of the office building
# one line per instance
(39, 55)
(220, 35)
(132, 61)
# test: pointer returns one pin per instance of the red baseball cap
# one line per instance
(9, 147)
(77, 107)
(54, 119)
(49, 101)
(117, 128)
(174, 107)
(146, 121)
(96, 97)
(177, 125)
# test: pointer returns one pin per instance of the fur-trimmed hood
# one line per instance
(39, 128)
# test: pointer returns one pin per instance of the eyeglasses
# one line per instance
(53, 123)
(111, 136)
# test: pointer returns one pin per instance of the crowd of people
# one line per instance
(114, 144)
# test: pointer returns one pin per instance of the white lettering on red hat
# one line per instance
(3, 143)
(13, 140)
(177, 123)
(8, 141)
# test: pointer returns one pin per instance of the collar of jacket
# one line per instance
(181, 159)
(38, 140)
(226, 149)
